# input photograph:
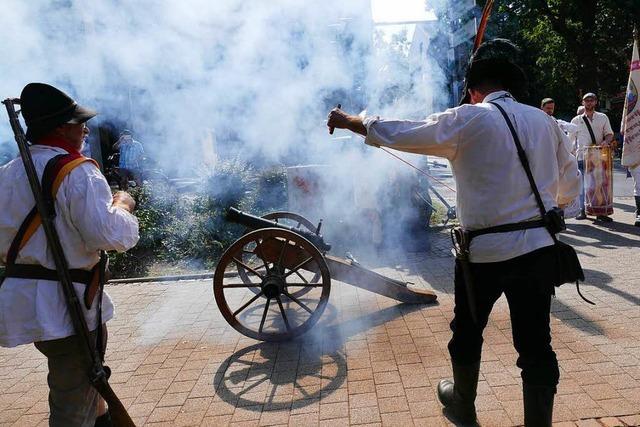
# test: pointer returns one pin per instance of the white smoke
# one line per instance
(260, 74)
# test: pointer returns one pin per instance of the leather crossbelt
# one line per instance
(504, 228)
(38, 272)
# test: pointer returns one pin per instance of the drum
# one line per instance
(598, 180)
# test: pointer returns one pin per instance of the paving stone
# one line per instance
(190, 368)
(366, 415)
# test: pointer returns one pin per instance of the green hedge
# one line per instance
(189, 230)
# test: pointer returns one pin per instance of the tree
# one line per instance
(572, 47)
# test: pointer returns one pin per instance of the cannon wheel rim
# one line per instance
(275, 216)
(231, 317)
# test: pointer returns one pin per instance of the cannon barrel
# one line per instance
(255, 223)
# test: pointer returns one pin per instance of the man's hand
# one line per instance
(123, 200)
(340, 120)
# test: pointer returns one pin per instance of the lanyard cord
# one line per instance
(417, 168)
(506, 95)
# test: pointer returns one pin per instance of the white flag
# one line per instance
(630, 127)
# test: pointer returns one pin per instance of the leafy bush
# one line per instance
(190, 229)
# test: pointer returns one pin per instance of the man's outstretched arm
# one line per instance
(340, 120)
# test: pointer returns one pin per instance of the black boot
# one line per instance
(637, 223)
(538, 405)
(458, 397)
(103, 420)
(582, 215)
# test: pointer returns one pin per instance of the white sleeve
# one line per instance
(101, 226)
(568, 175)
(607, 126)
(438, 135)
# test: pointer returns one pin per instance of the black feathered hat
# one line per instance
(496, 60)
(44, 108)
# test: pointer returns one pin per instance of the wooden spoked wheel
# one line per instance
(265, 307)
(289, 219)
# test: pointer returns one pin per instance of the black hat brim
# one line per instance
(81, 115)
(77, 116)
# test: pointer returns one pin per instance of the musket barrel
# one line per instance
(255, 223)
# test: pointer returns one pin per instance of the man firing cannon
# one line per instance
(505, 235)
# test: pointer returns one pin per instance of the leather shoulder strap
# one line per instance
(586, 122)
(55, 171)
(523, 159)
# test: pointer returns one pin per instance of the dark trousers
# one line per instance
(526, 283)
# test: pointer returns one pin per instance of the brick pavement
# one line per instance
(370, 360)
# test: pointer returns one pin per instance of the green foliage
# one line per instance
(190, 230)
(571, 47)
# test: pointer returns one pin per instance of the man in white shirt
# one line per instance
(88, 219)
(602, 135)
(548, 105)
(493, 190)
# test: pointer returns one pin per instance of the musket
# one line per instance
(97, 374)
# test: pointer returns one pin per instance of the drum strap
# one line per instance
(586, 122)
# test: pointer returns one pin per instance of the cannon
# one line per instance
(273, 283)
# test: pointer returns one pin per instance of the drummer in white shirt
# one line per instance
(602, 135)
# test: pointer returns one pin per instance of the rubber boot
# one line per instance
(538, 405)
(103, 420)
(637, 223)
(458, 397)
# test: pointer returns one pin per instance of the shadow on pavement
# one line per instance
(623, 207)
(600, 280)
(569, 316)
(607, 235)
(263, 376)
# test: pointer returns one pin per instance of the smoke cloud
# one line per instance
(256, 77)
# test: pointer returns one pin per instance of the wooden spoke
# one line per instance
(261, 256)
(236, 260)
(306, 285)
(284, 246)
(297, 301)
(284, 315)
(264, 315)
(298, 267)
(242, 285)
(255, 297)
(300, 276)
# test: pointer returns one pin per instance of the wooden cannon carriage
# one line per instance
(273, 283)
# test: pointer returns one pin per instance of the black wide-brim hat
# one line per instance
(44, 108)
(497, 60)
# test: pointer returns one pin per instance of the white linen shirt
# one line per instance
(582, 139)
(36, 310)
(492, 186)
